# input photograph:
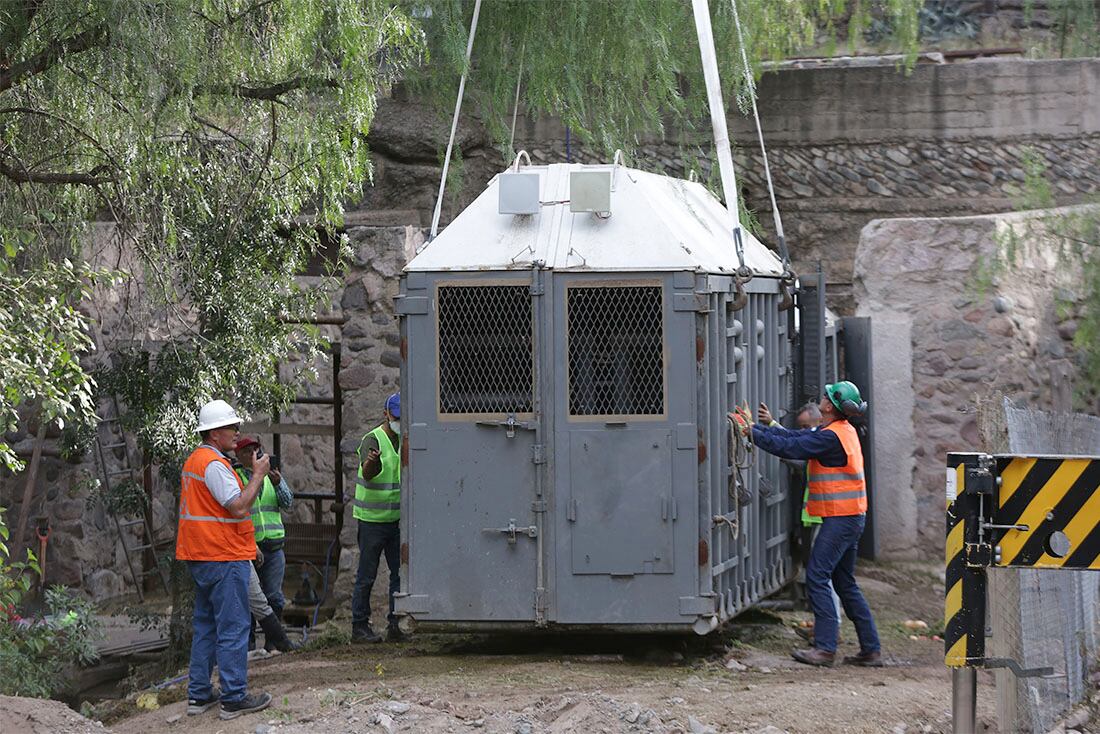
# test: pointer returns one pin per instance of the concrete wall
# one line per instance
(944, 341)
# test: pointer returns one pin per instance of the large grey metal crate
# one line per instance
(568, 455)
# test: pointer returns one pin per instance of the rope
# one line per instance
(454, 121)
(751, 83)
(515, 105)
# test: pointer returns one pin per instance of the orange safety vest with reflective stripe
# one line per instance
(207, 532)
(839, 490)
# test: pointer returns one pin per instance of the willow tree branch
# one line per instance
(272, 92)
(86, 178)
(54, 52)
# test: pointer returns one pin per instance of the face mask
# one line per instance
(395, 426)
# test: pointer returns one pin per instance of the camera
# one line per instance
(274, 465)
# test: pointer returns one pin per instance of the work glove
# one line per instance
(259, 557)
(742, 420)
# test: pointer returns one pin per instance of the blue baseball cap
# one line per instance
(393, 405)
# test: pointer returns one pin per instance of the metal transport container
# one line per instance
(566, 380)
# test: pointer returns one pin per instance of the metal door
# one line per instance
(471, 481)
(616, 454)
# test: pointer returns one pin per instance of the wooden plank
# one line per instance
(289, 429)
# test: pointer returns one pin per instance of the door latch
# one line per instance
(510, 425)
(513, 531)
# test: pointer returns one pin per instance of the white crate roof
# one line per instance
(656, 223)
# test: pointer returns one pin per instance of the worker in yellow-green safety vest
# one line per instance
(377, 509)
(267, 520)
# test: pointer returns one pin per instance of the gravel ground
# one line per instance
(742, 680)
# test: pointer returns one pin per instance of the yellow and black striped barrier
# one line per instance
(964, 603)
(1009, 512)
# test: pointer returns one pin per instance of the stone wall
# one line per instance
(945, 339)
(84, 550)
(847, 145)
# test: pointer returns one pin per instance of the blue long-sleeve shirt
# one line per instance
(803, 444)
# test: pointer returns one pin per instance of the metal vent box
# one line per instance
(518, 193)
(590, 191)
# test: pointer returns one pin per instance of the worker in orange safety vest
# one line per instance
(838, 495)
(215, 537)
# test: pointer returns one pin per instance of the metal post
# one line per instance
(964, 700)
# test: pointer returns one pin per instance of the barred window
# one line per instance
(616, 350)
(485, 349)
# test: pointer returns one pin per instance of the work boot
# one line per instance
(814, 656)
(865, 659)
(196, 706)
(364, 634)
(275, 636)
(394, 633)
(247, 705)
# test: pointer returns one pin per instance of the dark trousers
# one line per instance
(375, 538)
(834, 558)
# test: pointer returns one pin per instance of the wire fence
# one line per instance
(1044, 618)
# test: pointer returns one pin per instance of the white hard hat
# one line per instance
(217, 414)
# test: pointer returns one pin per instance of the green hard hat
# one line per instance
(845, 396)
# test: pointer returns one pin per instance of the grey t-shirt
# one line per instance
(222, 483)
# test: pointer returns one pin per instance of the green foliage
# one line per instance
(615, 71)
(219, 137)
(1073, 233)
(125, 498)
(39, 647)
(42, 332)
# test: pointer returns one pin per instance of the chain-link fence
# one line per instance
(1043, 618)
(486, 349)
(616, 350)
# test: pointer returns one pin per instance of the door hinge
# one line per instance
(538, 454)
(668, 508)
(538, 506)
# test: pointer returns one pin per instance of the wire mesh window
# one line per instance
(485, 349)
(616, 350)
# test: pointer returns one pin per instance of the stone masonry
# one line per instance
(949, 331)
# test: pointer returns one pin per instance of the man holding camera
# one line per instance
(838, 495)
(268, 520)
(377, 508)
(215, 537)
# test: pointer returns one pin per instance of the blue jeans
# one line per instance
(375, 539)
(271, 578)
(221, 623)
(833, 558)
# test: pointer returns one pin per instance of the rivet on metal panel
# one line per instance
(704, 552)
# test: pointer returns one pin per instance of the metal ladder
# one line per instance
(110, 436)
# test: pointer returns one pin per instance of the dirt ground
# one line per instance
(741, 680)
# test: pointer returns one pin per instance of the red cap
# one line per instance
(244, 441)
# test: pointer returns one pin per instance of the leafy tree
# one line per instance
(221, 139)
